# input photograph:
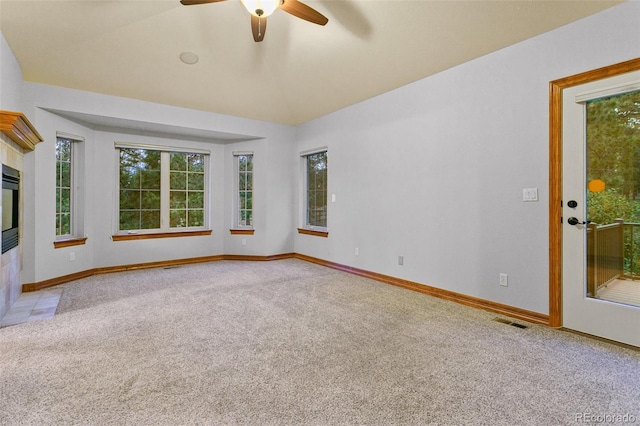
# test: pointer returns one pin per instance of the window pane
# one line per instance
(178, 180)
(196, 217)
(178, 200)
(129, 219)
(195, 200)
(129, 178)
(129, 200)
(150, 179)
(150, 219)
(178, 161)
(150, 159)
(63, 149)
(150, 200)
(242, 200)
(178, 218)
(65, 201)
(65, 174)
(65, 224)
(196, 163)
(196, 181)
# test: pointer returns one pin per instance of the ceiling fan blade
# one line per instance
(258, 27)
(302, 11)
(194, 2)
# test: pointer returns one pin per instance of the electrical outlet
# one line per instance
(400, 260)
(504, 280)
(357, 251)
(72, 256)
(244, 242)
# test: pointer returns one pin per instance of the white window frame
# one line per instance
(236, 213)
(305, 191)
(165, 219)
(77, 189)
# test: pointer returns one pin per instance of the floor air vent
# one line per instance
(506, 321)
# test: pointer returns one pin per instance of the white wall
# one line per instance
(10, 79)
(434, 171)
(44, 261)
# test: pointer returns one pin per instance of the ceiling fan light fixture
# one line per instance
(261, 8)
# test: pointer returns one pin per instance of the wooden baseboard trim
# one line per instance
(258, 258)
(510, 311)
(159, 264)
(56, 281)
(147, 265)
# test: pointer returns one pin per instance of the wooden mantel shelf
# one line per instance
(18, 128)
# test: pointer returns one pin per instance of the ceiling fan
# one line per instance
(260, 9)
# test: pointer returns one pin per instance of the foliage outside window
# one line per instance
(187, 190)
(161, 190)
(613, 158)
(613, 135)
(316, 189)
(64, 187)
(244, 167)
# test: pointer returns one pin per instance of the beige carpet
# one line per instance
(293, 343)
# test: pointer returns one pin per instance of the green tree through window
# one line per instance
(63, 186)
(147, 177)
(317, 189)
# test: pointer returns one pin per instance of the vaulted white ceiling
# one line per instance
(300, 71)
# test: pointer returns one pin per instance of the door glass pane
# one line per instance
(613, 198)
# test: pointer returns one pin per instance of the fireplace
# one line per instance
(10, 207)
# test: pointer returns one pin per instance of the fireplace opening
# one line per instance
(10, 207)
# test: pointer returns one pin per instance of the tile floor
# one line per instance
(32, 306)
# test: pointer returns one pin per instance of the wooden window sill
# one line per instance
(127, 237)
(242, 231)
(324, 234)
(69, 242)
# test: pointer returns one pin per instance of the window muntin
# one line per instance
(316, 190)
(244, 191)
(161, 190)
(64, 187)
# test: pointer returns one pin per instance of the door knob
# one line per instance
(574, 221)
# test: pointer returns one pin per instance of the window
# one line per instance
(244, 191)
(64, 187)
(316, 190)
(69, 194)
(161, 190)
(186, 207)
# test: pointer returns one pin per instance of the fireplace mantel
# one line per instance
(18, 128)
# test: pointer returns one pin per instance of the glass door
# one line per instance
(601, 208)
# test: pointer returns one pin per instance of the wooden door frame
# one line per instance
(556, 88)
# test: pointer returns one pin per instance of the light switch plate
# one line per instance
(530, 194)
